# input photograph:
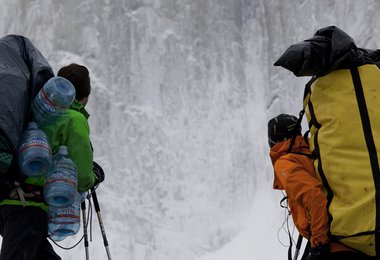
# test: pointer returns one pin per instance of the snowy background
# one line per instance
(182, 91)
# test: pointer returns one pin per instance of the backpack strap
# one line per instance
(20, 193)
(370, 141)
(306, 98)
(295, 130)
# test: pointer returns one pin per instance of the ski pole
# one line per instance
(298, 247)
(83, 207)
(97, 209)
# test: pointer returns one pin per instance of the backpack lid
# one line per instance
(329, 49)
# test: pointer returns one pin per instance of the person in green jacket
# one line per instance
(72, 129)
(23, 224)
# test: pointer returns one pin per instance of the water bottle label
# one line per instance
(68, 219)
(36, 142)
(64, 222)
(46, 104)
(58, 176)
(64, 215)
(50, 101)
(67, 211)
(72, 217)
(63, 180)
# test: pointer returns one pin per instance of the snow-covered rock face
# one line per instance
(182, 91)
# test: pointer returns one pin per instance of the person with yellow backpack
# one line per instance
(341, 103)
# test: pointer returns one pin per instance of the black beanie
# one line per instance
(78, 75)
(282, 127)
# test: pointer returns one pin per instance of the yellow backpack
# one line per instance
(343, 112)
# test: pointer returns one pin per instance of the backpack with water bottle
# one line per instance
(23, 72)
(31, 98)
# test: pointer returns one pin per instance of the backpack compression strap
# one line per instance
(368, 135)
(306, 98)
(295, 130)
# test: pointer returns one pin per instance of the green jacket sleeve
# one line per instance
(80, 151)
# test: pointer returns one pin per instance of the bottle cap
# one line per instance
(32, 125)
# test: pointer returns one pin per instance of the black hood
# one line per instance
(329, 49)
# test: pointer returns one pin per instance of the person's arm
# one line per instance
(303, 187)
(80, 151)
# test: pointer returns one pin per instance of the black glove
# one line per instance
(319, 252)
(99, 173)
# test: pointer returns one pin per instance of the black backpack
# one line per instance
(23, 72)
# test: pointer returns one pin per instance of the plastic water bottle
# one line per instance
(61, 181)
(52, 100)
(64, 221)
(34, 152)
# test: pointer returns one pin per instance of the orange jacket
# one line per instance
(295, 174)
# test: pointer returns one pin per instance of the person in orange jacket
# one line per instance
(294, 172)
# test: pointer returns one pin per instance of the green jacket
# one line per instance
(71, 130)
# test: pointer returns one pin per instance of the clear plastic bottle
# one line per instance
(61, 181)
(52, 100)
(34, 153)
(64, 221)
